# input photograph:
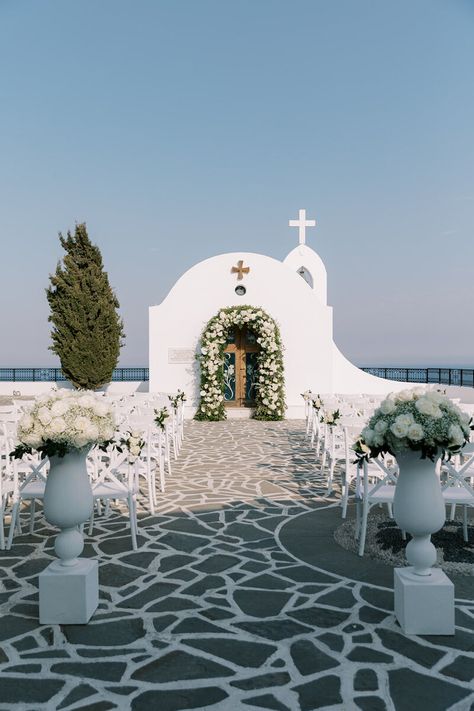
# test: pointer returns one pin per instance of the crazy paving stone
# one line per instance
(32, 567)
(246, 654)
(263, 681)
(316, 694)
(273, 629)
(365, 680)
(13, 692)
(27, 610)
(3, 656)
(47, 654)
(246, 532)
(103, 634)
(370, 703)
(459, 640)
(173, 604)
(410, 690)
(366, 654)
(97, 706)
(12, 626)
(303, 574)
(172, 562)
(181, 542)
(108, 671)
(122, 690)
(217, 563)
(140, 559)
(217, 613)
(209, 582)
(161, 623)
(420, 653)
(371, 615)
(464, 620)
(319, 617)
(151, 593)
(112, 575)
(377, 597)
(195, 625)
(342, 597)
(308, 659)
(178, 666)
(82, 691)
(268, 582)
(266, 701)
(24, 668)
(179, 699)
(257, 605)
(462, 668)
(118, 544)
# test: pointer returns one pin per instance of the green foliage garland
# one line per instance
(87, 330)
(270, 398)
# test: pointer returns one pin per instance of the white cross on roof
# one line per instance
(302, 223)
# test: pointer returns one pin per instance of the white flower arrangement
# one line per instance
(64, 420)
(416, 419)
(331, 417)
(134, 443)
(270, 402)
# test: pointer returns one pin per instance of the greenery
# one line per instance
(176, 399)
(87, 330)
(270, 398)
(160, 417)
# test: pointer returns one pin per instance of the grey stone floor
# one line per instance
(213, 612)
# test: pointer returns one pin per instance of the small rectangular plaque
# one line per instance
(181, 355)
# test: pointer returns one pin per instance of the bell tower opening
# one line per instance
(306, 274)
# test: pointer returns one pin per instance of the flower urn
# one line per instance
(419, 508)
(68, 502)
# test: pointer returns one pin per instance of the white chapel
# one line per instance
(293, 292)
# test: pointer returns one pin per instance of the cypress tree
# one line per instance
(87, 329)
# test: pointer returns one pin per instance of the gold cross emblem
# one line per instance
(240, 270)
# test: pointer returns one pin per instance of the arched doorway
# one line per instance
(240, 367)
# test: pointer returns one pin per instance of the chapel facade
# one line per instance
(293, 292)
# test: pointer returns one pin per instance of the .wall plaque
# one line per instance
(181, 355)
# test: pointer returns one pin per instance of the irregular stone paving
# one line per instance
(212, 613)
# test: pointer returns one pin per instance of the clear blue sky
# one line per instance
(179, 129)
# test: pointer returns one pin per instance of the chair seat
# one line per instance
(384, 493)
(111, 490)
(458, 494)
(33, 490)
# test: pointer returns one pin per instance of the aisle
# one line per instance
(212, 612)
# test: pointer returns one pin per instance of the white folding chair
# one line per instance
(30, 479)
(459, 486)
(376, 487)
(115, 478)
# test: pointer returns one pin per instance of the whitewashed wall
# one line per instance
(311, 359)
(36, 388)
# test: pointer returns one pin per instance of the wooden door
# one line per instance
(240, 368)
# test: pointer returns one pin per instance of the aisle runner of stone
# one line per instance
(211, 612)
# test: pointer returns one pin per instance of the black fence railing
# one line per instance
(442, 376)
(18, 375)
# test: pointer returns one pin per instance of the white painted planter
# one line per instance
(68, 502)
(419, 508)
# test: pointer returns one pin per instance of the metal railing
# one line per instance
(442, 376)
(19, 375)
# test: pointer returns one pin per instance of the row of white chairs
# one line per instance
(373, 483)
(113, 476)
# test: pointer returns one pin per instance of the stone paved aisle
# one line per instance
(213, 613)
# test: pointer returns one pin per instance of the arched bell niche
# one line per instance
(306, 274)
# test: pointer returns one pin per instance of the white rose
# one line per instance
(456, 435)
(26, 422)
(368, 435)
(135, 450)
(404, 396)
(415, 432)
(92, 432)
(57, 426)
(32, 440)
(135, 434)
(381, 426)
(44, 415)
(405, 420)
(86, 401)
(59, 408)
(81, 423)
(399, 429)
(79, 440)
(101, 409)
(387, 406)
(428, 407)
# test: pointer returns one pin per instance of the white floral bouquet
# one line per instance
(417, 419)
(176, 399)
(134, 443)
(64, 420)
(331, 418)
(316, 402)
(160, 417)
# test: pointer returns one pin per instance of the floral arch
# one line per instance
(270, 398)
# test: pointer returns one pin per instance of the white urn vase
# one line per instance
(68, 502)
(419, 508)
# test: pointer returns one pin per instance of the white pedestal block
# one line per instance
(424, 604)
(68, 595)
